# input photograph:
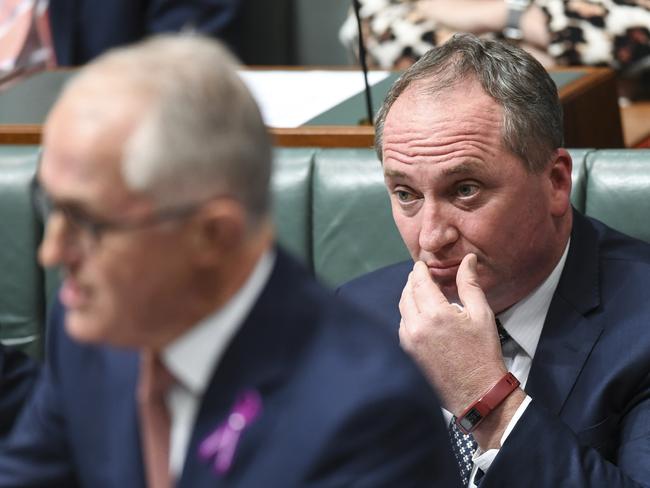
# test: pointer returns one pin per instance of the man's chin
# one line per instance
(82, 328)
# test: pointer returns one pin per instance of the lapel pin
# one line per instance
(220, 446)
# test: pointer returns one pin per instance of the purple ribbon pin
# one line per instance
(220, 446)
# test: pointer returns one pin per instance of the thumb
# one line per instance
(470, 293)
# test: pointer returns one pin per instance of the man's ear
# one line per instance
(559, 179)
(218, 230)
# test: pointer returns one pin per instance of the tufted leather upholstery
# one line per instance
(330, 208)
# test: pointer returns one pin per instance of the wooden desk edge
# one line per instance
(21, 134)
(337, 136)
(295, 137)
(324, 136)
(574, 89)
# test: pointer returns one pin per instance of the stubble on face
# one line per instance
(455, 189)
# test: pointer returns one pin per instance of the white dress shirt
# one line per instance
(524, 322)
(194, 357)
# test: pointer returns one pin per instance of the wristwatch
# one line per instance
(473, 415)
(516, 9)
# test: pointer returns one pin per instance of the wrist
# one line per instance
(482, 408)
(474, 385)
(489, 433)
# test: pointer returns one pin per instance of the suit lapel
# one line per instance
(568, 337)
(258, 359)
(124, 413)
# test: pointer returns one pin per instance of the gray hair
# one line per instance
(532, 113)
(202, 135)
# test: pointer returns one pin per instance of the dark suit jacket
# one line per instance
(589, 421)
(17, 375)
(83, 29)
(342, 405)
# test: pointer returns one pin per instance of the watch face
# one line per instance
(470, 419)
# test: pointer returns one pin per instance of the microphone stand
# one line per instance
(364, 67)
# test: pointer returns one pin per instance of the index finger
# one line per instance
(425, 291)
(469, 291)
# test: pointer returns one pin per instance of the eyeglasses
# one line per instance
(90, 228)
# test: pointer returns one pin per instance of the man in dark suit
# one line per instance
(558, 393)
(83, 29)
(17, 375)
(185, 346)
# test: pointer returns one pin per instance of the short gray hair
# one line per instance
(202, 134)
(532, 113)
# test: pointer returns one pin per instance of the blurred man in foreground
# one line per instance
(558, 392)
(186, 350)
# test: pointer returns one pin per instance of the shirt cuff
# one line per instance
(483, 460)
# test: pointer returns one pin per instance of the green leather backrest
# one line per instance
(618, 190)
(330, 208)
(579, 178)
(291, 195)
(353, 230)
(21, 280)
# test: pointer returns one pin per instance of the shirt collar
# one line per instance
(525, 319)
(193, 357)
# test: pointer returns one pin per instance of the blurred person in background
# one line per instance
(614, 33)
(83, 29)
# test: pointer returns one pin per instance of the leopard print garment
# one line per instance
(612, 33)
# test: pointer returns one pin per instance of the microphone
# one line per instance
(364, 67)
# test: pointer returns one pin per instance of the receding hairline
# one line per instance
(512, 77)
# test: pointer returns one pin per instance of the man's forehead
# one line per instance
(83, 142)
(460, 124)
(450, 169)
(92, 102)
(466, 96)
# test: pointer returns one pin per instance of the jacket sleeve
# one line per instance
(17, 375)
(543, 451)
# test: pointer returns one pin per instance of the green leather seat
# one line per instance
(291, 198)
(618, 190)
(353, 230)
(579, 178)
(352, 223)
(21, 279)
(330, 208)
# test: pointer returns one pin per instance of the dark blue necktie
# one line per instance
(464, 445)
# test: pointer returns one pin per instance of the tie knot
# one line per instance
(154, 382)
(155, 378)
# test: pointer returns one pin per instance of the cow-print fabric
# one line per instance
(613, 33)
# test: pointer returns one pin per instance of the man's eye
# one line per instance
(466, 190)
(404, 196)
(80, 219)
(75, 216)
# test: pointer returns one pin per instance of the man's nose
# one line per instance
(57, 246)
(438, 229)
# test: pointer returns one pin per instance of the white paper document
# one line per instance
(291, 98)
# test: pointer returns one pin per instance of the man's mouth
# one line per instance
(444, 270)
(72, 294)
